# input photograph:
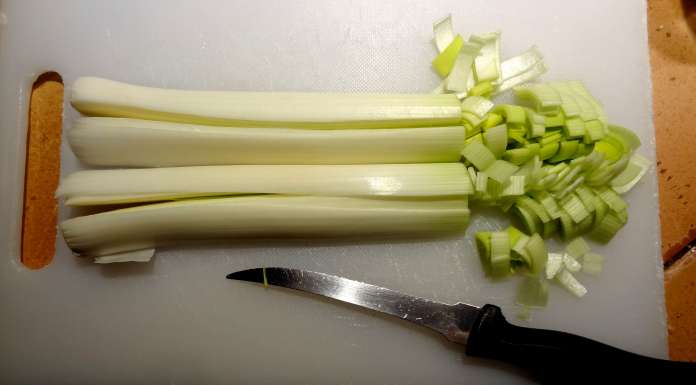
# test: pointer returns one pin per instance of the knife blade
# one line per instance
(485, 332)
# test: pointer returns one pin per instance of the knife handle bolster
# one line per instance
(560, 357)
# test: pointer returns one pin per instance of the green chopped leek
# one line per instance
(592, 263)
(628, 137)
(547, 151)
(518, 156)
(444, 62)
(482, 89)
(605, 230)
(577, 247)
(549, 203)
(612, 199)
(481, 182)
(566, 151)
(536, 247)
(541, 97)
(500, 254)
(477, 105)
(530, 204)
(568, 281)
(479, 155)
(573, 206)
(634, 171)
(483, 245)
(532, 292)
(514, 186)
(492, 120)
(496, 140)
(594, 131)
(512, 113)
(574, 128)
(501, 170)
(530, 222)
(554, 120)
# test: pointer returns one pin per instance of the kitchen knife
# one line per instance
(555, 357)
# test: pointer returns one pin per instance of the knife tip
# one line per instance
(250, 275)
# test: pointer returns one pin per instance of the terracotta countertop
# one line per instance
(672, 39)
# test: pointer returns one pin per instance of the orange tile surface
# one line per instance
(672, 39)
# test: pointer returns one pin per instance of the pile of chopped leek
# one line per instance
(218, 164)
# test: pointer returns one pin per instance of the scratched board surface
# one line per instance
(177, 320)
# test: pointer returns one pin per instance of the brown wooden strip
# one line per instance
(42, 171)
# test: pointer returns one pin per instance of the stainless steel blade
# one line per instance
(452, 321)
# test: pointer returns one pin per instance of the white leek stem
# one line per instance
(102, 97)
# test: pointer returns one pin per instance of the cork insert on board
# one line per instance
(42, 171)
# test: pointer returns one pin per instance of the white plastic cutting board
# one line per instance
(177, 319)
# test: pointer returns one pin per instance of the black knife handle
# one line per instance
(558, 357)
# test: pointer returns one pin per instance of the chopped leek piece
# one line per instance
(494, 188)
(547, 151)
(601, 209)
(144, 255)
(482, 88)
(264, 216)
(568, 227)
(549, 203)
(477, 105)
(634, 171)
(483, 245)
(144, 143)
(532, 292)
(512, 113)
(472, 174)
(537, 70)
(536, 247)
(594, 131)
(628, 137)
(444, 62)
(573, 206)
(571, 264)
(101, 97)
(554, 120)
(551, 137)
(461, 72)
(566, 151)
(568, 281)
(520, 64)
(443, 33)
(542, 97)
(605, 230)
(531, 205)
(549, 228)
(472, 119)
(479, 155)
(574, 128)
(501, 170)
(610, 149)
(518, 156)
(612, 199)
(492, 120)
(514, 186)
(530, 222)
(481, 182)
(500, 254)
(99, 187)
(592, 263)
(554, 264)
(496, 139)
(577, 247)
(487, 64)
